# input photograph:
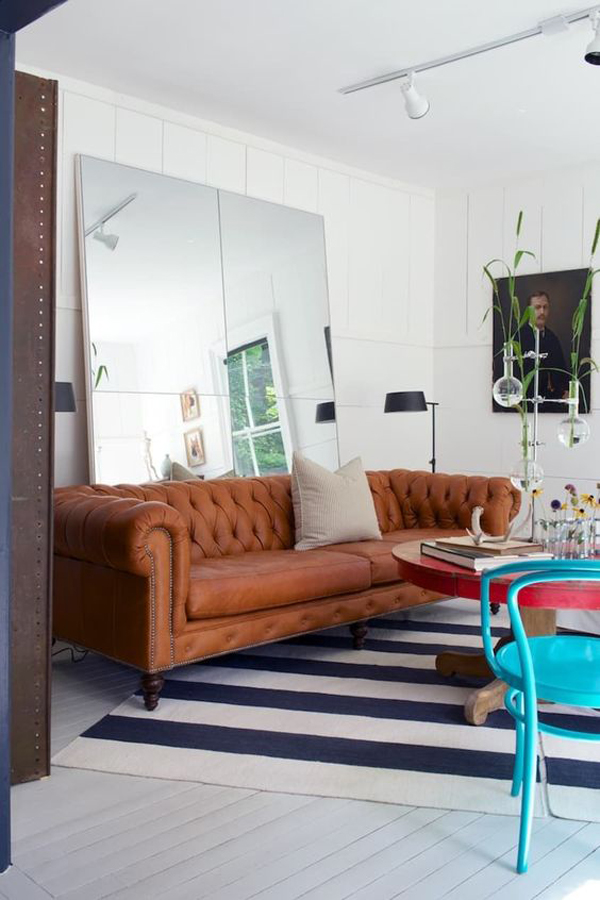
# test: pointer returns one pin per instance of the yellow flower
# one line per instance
(537, 492)
(580, 513)
(563, 505)
(588, 500)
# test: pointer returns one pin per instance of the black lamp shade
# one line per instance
(64, 397)
(405, 401)
(325, 412)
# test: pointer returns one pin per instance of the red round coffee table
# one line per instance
(538, 606)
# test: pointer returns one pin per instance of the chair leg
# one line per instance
(520, 737)
(529, 776)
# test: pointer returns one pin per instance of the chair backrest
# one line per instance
(531, 572)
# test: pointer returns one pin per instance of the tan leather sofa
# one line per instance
(161, 575)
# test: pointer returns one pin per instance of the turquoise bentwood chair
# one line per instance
(561, 668)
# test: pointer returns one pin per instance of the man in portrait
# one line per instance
(552, 298)
(554, 380)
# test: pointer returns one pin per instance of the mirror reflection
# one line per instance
(206, 316)
(277, 313)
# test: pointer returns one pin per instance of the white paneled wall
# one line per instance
(472, 227)
(380, 253)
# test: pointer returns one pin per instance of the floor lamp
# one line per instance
(413, 401)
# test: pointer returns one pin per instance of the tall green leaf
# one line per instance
(519, 256)
(101, 373)
(596, 237)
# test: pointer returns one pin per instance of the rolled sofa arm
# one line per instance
(114, 531)
(121, 575)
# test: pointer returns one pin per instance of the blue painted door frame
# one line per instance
(7, 98)
(14, 15)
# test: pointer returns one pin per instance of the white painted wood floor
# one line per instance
(87, 835)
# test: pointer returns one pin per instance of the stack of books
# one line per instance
(464, 552)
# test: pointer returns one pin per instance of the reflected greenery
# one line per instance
(253, 406)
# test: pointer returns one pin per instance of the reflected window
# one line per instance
(255, 417)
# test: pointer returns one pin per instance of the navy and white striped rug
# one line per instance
(314, 716)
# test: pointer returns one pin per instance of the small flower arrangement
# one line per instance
(571, 529)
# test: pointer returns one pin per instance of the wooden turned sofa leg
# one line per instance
(359, 633)
(152, 685)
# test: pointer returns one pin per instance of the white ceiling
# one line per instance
(273, 67)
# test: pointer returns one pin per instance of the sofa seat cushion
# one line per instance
(384, 568)
(259, 580)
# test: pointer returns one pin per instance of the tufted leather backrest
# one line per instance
(409, 499)
(236, 515)
(224, 516)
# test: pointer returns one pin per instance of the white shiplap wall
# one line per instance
(380, 251)
(472, 227)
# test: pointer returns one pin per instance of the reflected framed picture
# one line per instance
(554, 297)
(194, 447)
(190, 405)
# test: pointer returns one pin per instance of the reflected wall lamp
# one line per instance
(325, 412)
(413, 401)
(417, 106)
(64, 397)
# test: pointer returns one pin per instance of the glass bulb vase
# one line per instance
(526, 475)
(573, 430)
(507, 390)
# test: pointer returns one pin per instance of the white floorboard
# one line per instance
(83, 835)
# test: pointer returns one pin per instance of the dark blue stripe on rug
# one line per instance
(308, 747)
(433, 627)
(572, 773)
(343, 643)
(570, 721)
(400, 674)
(332, 704)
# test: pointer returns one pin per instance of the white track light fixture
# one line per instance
(416, 105)
(97, 231)
(592, 53)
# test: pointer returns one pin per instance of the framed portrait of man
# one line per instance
(554, 297)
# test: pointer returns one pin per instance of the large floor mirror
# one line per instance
(206, 325)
